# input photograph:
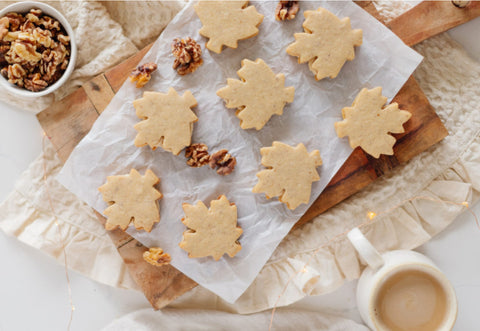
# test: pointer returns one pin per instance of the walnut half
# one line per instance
(197, 155)
(286, 10)
(155, 256)
(188, 55)
(223, 161)
(143, 73)
(34, 82)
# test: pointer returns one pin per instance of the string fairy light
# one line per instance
(371, 215)
(59, 233)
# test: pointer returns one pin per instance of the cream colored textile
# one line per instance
(26, 214)
(196, 319)
(142, 21)
(450, 170)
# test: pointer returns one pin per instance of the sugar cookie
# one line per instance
(227, 22)
(167, 120)
(290, 173)
(326, 44)
(131, 197)
(368, 123)
(213, 231)
(259, 94)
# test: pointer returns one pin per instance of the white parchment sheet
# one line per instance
(382, 60)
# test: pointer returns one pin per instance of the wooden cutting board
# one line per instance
(67, 121)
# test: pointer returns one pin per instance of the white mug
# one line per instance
(381, 268)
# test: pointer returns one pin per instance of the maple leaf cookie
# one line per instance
(167, 120)
(131, 197)
(258, 95)
(227, 22)
(213, 231)
(368, 123)
(290, 174)
(326, 44)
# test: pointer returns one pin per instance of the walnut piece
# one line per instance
(197, 155)
(15, 20)
(34, 82)
(4, 24)
(63, 39)
(286, 10)
(188, 55)
(34, 15)
(49, 23)
(44, 38)
(28, 26)
(15, 74)
(34, 49)
(223, 161)
(142, 74)
(155, 256)
(3, 50)
(22, 51)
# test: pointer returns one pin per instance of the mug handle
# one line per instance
(365, 249)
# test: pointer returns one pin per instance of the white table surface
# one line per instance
(33, 290)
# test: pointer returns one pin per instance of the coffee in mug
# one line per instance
(402, 290)
(410, 300)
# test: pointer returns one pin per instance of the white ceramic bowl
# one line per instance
(23, 8)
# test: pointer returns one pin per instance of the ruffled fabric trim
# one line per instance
(26, 215)
(194, 319)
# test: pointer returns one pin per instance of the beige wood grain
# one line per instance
(430, 18)
(99, 92)
(67, 121)
(118, 74)
(161, 285)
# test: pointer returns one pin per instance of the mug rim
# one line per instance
(452, 310)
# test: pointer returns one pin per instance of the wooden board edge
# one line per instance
(438, 16)
(117, 75)
(160, 284)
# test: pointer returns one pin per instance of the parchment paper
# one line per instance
(382, 60)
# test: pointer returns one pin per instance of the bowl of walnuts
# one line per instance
(37, 49)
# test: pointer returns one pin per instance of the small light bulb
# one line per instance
(371, 215)
(304, 270)
(465, 203)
